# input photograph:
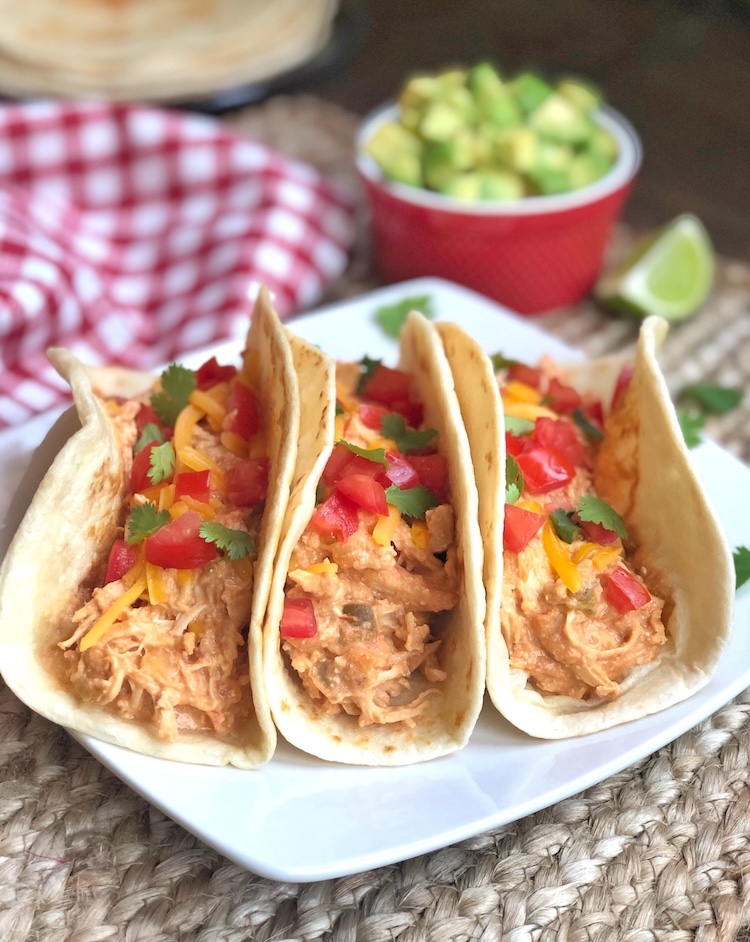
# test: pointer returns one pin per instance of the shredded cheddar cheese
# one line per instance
(113, 613)
(384, 529)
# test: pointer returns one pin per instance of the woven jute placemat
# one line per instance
(659, 852)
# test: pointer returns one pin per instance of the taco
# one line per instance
(609, 580)
(132, 596)
(373, 640)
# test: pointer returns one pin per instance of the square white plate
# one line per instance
(302, 819)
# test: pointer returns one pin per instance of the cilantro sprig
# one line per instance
(372, 454)
(741, 558)
(587, 427)
(177, 382)
(235, 544)
(407, 439)
(391, 317)
(144, 520)
(368, 367)
(517, 426)
(162, 463)
(501, 362)
(411, 501)
(513, 480)
(151, 433)
(699, 400)
(596, 510)
(565, 528)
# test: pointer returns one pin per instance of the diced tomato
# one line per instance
(563, 398)
(387, 386)
(195, 484)
(364, 492)
(339, 458)
(371, 415)
(562, 435)
(146, 415)
(545, 469)
(624, 592)
(246, 483)
(413, 412)
(122, 558)
(595, 412)
(623, 381)
(596, 533)
(529, 375)
(243, 412)
(433, 473)
(298, 619)
(139, 479)
(361, 465)
(212, 372)
(400, 471)
(520, 527)
(517, 444)
(179, 545)
(336, 517)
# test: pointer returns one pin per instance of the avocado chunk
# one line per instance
(584, 96)
(558, 119)
(530, 90)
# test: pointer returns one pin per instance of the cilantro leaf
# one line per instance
(144, 520)
(391, 317)
(501, 362)
(236, 544)
(411, 501)
(394, 426)
(713, 398)
(368, 367)
(586, 427)
(177, 382)
(517, 426)
(596, 510)
(151, 433)
(741, 565)
(513, 480)
(691, 423)
(162, 463)
(339, 408)
(372, 454)
(564, 526)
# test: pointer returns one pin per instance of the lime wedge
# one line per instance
(670, 273)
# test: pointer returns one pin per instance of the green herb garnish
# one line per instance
(713, 398)
(177, 382)
(394, 426)
(368, 367)
(501, 362)
(564, 526)
(513, 480)
(517, 426)
(595, 510)
(151, 433)
(392, 317)
(741, 565)
(586, 427)
(339, 408)
(162, 463)
(372, 454)
(235, 544)
(691, 422)
(411, 501)
(144, 520)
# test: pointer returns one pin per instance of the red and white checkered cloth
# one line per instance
(132, 235)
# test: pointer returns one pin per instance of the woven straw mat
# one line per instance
(660, 851)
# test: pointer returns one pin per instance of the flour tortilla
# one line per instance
(446, 724)
(63, 543)
(644, 472)
(154, 50)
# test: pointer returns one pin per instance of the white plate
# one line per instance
(302, 819)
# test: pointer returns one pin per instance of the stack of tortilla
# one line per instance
(154, 50)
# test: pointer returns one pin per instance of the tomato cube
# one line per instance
(520, 527)
(625, 592)
(298, 619)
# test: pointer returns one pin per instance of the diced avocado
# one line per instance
(517, 149)
(530, 90)
(483, 142)
(500, 185)
(460, 98)
(419, 90)
(551, 181)
(503, 111)
(583, 95)
(443, 159)
(484, 83)
(440, 122)
(453, 77)
(462, 186)
(603, 143)
(559, 120)
(553, 156)
(397, 152)
(587, 167)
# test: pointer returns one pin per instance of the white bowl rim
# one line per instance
(629, 156)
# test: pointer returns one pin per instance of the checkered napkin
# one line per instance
(132, 235)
